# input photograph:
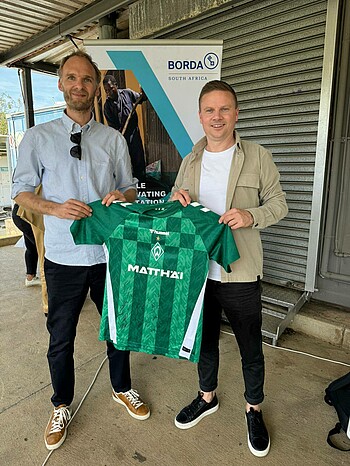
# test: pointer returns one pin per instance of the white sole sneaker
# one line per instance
(34, 282)
(55, 422)
(193, 423)
(135, 416)
(58, 444)
(258, 453)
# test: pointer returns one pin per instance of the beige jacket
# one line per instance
(36, 220)
(253, 185)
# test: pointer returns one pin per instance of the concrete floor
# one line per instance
(103, 434)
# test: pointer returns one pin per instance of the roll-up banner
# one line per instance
(149, 93)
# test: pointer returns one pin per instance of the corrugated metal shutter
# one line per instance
(273, 56)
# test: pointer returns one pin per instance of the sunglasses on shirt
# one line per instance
(76, 150)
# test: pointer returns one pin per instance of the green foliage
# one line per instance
(7, 105)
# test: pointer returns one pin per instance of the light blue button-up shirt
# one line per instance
(44, 157)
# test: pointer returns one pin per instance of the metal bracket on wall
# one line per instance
(280, 305)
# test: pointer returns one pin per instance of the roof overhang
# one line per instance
(43, 50)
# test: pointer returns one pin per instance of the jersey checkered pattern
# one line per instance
(157, 266)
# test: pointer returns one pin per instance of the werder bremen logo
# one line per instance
(157, 251)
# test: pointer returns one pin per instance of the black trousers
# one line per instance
(67, 288)
(137, 155)
(241, 303)
(31, 254)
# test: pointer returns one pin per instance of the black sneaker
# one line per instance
(258, 437)
(193, 413)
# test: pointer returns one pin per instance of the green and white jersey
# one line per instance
(157, 266)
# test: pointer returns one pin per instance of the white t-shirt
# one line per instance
(215, 172)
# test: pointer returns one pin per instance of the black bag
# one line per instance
(338, 395)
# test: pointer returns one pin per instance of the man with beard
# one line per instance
(78, 161)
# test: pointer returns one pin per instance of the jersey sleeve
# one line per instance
(217, 237)
(99, 227)
(224, 251)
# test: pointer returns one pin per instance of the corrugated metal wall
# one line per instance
(273, 56)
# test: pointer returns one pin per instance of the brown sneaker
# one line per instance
(133, 403)
(56, 429)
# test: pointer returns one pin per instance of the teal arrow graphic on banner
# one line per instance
(137, 63)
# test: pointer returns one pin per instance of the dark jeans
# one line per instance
(241, 303)
(67, 288)
(31, 254)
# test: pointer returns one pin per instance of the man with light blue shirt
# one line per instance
(77, 161)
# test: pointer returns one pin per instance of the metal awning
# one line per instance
(37, 34)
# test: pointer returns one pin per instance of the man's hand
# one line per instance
(113, 196)
(182, 196)
(71, 209)
(237, 218)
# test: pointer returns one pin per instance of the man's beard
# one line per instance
(78, 105)
(114, 95)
